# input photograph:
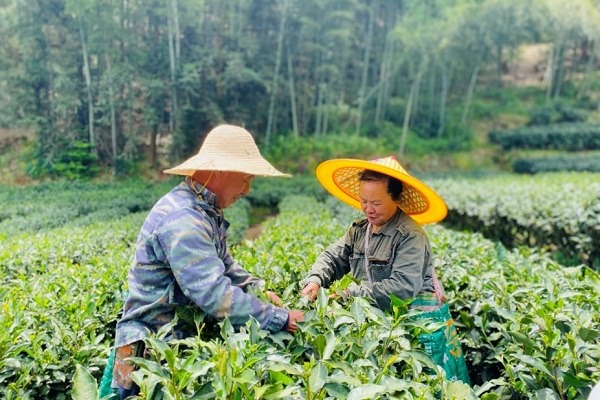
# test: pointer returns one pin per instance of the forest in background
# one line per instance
(115, 84)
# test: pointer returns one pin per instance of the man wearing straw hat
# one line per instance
(182, 258)
(388, 251)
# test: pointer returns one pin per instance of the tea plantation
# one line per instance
(529, 326)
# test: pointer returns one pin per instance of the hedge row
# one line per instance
(564, 162)
(556, 210)
(565, 136)
(50, 205)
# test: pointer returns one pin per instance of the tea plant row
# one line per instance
(529, 327)
(560, 211)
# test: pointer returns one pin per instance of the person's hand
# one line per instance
(295, 316)
(311, 291)
(273, 298)
(337, 296)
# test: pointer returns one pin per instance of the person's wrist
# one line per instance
(287, 323)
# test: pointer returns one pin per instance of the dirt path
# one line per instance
(253, 232)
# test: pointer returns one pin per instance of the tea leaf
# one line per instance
(366, 391)
(84, 384)
(317, 377)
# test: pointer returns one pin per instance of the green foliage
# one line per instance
(529, 325)
(453, 141)
(62, 294)
(268, 192)
(564, 136)
(238, 215)
(555, 114)
(559, 210)
(76, 162)
(303, 154)
(84, 385)
(63, 203)
(587, 161)
(526, 320)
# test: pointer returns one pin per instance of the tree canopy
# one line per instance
(122, 76)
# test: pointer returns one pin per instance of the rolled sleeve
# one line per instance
(331, 264)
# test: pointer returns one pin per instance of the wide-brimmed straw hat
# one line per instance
(227, 148)
(341, 178)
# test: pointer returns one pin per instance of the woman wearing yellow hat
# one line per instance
(388, 250)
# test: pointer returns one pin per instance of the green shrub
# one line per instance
(238, 216)
(564, 136)
(77, 162)
(563, 162)
(268, 192)
(303, 154)
(554, 114)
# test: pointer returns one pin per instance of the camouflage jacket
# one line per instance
(399, 261)
(181, 258)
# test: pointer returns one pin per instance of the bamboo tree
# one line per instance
(292, 89)
(589, 68)
(365, 71)
(446, 77)
(385, 71)
(113, 119)
(414, 88)
(172, 32)
(469, 97)
(280, 40)
(88, 84)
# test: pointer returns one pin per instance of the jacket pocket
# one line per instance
(381, 268)
(357, 264)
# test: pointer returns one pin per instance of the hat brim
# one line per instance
(252, 165)
(434, 212)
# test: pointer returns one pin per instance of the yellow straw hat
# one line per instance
(227, 148)
(340, 178)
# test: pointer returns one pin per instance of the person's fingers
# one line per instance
(311, 291)
(274, 298)
(295, 316)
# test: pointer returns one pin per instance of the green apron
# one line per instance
(442, 345)
(105, 388)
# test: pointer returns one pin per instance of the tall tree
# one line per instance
(280, 41)
(365, 67)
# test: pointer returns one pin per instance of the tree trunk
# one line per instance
(280, 39)
(152, 155)
(173, 70)
(560, 71)
(589, 68)
(470, 90)
(113, 119)
(176, 29)
(365, 72)
(384, 71)
(292, 93)
(499, 65)
(549, 73)
(411, 97)
(327, 107)
(88, 86)
(446, 76)
(431, 97)
(319, 108)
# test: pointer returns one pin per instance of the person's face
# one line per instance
(377, 204)
(231, 186)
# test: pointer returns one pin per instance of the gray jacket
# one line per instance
(399, 257)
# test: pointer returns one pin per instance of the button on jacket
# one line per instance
(182, 258)
(399, 256)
